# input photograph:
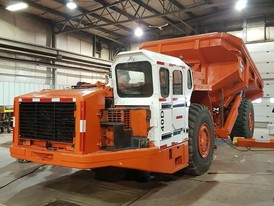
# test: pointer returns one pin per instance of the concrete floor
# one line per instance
(235, 178)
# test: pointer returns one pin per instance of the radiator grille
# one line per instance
(52, 121)
(119, 116)
(126, 119)
(114, 116)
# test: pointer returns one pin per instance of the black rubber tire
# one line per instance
(241, 127)
(199, 115)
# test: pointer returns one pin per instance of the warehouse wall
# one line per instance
(80, 44)
(134, 46)
(263, 56)
(20, 28)
(74, 43)
(260, 43)
(19, 78)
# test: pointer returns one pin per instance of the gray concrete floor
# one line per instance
(235, 178)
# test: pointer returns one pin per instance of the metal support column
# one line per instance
(53, 70)
(245, 30)
(53, 78)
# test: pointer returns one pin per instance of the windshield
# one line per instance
(134, 79)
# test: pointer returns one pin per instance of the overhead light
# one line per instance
(71, 5)
(241, 4)
(138, 31)
(17, 6)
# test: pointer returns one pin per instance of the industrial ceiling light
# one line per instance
(71, 4)
(241, 4)
(138, 31)
(17, 6)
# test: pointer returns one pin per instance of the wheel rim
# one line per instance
(250, 122)
(204, 140)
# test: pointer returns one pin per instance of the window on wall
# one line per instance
(177, 82)
(164, 82)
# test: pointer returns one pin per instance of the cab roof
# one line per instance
(154, 56)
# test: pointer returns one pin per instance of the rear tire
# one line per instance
(201, 140)
(244, 125)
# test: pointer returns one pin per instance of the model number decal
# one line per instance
(162, 115)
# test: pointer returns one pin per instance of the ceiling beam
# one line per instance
(180, 6)
(118, 10)
(220, 15)
(215, 9)
(107, 9)
(47, 9)
(198, 6)
(140, 20)
(97, 16)
(60, 14)
(154, 11)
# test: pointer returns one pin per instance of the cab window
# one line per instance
(189, 79)
(134, 79)
(177, 82)
(164, 82)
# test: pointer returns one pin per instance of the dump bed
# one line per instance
(220, 62)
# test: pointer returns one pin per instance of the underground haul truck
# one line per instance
(157, 114)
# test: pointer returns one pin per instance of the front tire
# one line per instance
(201, 140)
(244, 125)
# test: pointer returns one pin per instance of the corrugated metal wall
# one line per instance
(21, 28)
(9, 90)
(262, 53)
(263, 56)
(20, 78)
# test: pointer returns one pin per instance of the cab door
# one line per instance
(180, 105)
(175, 93)
(165, 106)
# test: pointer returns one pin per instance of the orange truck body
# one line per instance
(83, 149)
(222, 67)
(222, 71)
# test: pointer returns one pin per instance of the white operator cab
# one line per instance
(161, 82)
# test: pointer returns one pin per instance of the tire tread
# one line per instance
(194, 168)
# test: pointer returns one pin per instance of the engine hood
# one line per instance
(66, 93)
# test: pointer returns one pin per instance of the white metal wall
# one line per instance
(9, 90)
(20, 28)
(263, 56)
(20, 78)
(71, 77)
(76, 43)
